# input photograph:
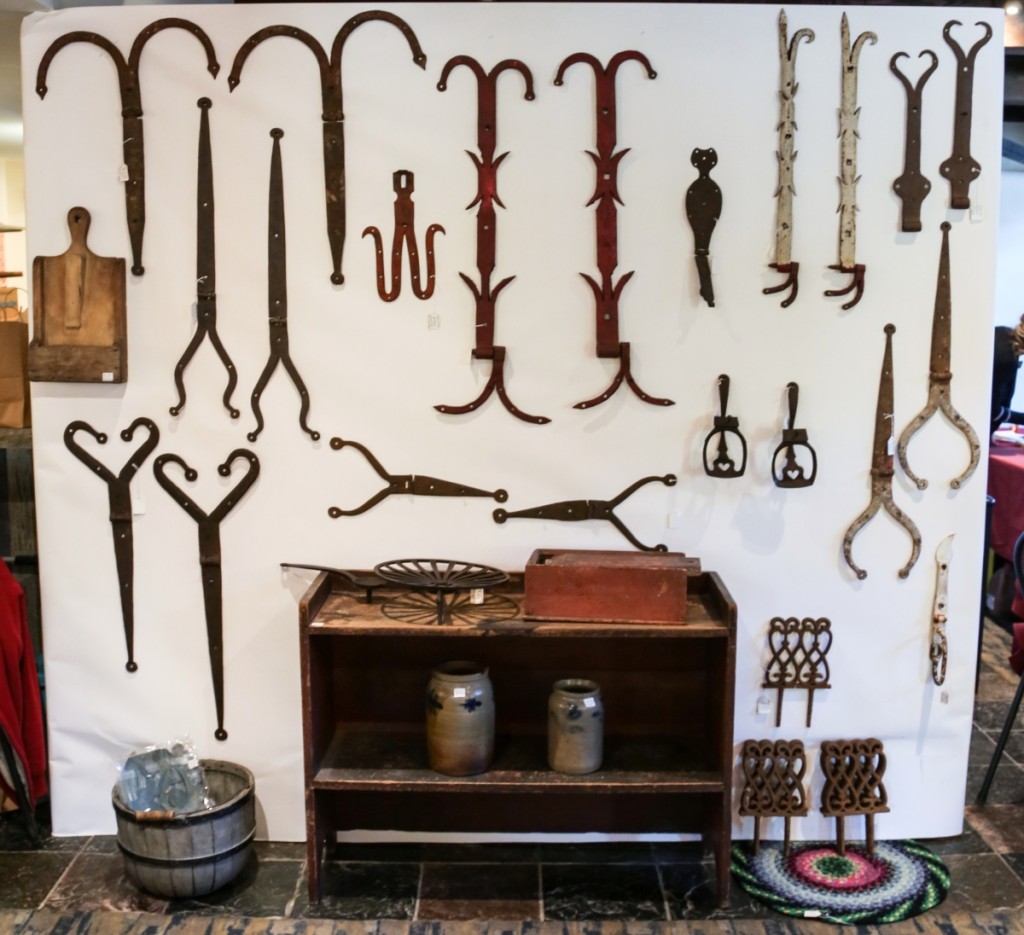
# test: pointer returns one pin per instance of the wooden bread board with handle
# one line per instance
(79, 332)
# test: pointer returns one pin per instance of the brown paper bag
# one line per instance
(14, 394)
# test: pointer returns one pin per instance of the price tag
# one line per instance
(944, 698)
(108, 376)
(458, 693)
(977, 214)
(589, 703)
(764, 705)
(122, 172)
(476, 596)
(890, 446)
(138, 501)
(812, 913)
(433, 321)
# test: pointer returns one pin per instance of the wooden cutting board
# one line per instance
(79, 318)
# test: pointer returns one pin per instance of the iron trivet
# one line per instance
(420, 608)
(439, 577)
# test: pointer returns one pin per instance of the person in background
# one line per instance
(1009, 346)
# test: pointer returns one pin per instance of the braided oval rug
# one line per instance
(902, 880)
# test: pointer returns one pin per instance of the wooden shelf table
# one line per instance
(668, 698)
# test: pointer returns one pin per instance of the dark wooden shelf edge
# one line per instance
(498, 782)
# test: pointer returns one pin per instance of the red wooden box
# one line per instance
(607, 586)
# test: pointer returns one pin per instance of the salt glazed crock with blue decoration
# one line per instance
(460, 719)
(575, 726)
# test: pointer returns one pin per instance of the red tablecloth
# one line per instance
(1006, 485)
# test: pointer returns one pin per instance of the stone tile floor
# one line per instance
(626, 884)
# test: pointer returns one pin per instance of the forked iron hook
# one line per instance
(912, 187)
(405, 234)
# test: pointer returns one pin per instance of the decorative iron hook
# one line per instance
(606, 194)
(333, 109)
(405, 233)
(120, 499)
(208, 525)
(486, 164)
(131, 111)
(790, 473)
(912, 187)
(961, 168)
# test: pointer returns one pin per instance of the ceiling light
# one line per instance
(1012, 8)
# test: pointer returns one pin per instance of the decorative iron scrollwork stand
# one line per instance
(853, 770)
(799, 650)
(773, 783)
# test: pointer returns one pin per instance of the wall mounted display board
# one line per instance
(375, 370)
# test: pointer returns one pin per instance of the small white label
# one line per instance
(764, 705)
(138, 501)
(476, 596)
(107, 376)
(317, 623)
(433, 321)
(589, 703)
(458, 693)
(944, 698)
(977, 214)
(812, 913)
(890, 446)
(122, 173)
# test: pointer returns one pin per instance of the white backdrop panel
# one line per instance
(375, 370)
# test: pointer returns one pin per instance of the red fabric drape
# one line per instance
(21, 710)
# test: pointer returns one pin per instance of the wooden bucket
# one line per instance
(194, 853)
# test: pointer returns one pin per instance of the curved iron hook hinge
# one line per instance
(495, 384)
(131, 111)
(120, 500)
(571, 511)
(333, 109)
(208, 526)
(405, 233)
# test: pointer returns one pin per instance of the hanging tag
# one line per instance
(976, 212)
(764, 704)
(476, 595)
(589, 703)
(433, 321)
(138, 502)
(890, 446)
(122, 172)
(944, 698)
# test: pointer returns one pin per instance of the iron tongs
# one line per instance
(209, 554)
(939, 378)
(119, 493)
(418, 485)
(571, 511)
(882, 471)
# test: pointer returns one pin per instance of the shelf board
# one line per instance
(396, 761)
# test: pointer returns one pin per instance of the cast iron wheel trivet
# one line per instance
(419, 608)
(440, 577)
(902, 880)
